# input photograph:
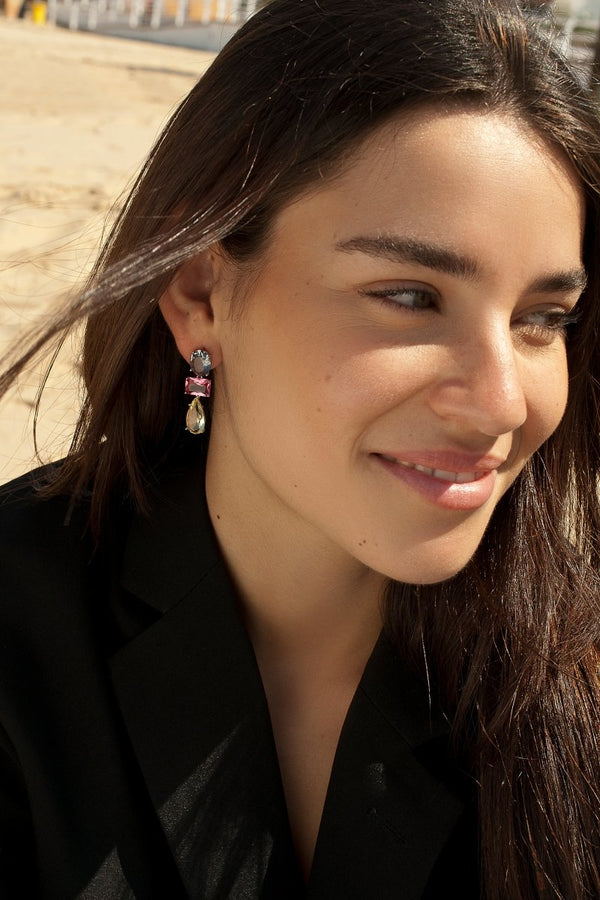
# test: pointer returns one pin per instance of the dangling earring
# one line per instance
(198, 385)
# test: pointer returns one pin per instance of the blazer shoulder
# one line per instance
(24, 492)
(24, 506)
(43, 542)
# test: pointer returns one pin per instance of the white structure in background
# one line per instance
(578, 8)
(578, 14)
(89, 13)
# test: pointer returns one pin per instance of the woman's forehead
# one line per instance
(431, 154)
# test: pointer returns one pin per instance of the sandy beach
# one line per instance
(79, 114)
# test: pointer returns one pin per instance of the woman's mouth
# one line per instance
(445, 488)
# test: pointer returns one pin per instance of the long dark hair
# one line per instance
(514, 639)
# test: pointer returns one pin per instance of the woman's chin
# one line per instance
(424, 568)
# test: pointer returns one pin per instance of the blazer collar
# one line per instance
(192, 700)
(396, 797)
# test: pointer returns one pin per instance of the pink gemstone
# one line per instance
(197, 387)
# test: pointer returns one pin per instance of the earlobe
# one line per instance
(186, 306)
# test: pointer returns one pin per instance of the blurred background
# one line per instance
(79, 114)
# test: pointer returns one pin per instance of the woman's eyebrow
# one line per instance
(401, 249)
(443, 259)
(561, 282)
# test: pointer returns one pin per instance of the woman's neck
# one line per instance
(300, 594)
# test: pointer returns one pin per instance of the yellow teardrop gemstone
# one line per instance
(195, 421)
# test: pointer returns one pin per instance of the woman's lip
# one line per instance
(465, 489)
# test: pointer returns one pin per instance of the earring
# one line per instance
(196, 386)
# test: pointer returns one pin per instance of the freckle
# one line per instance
(328, 378)
(318, 409)
(218, 516)
(295, 485)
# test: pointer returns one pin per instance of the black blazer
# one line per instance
(136, 751)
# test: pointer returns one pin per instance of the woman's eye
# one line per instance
(414, 298)
(545, 325)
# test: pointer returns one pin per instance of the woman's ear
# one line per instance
(186, 305)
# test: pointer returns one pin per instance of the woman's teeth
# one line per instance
(440, 474)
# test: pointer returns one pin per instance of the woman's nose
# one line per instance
(483, 385)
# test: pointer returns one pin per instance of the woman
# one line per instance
(344, 643)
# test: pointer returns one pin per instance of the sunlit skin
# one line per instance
(331, 367)
(408, 312)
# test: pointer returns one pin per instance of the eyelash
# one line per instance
(556, 321)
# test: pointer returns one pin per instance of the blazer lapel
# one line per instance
(193, 704)
(395, 800)
(194, 708)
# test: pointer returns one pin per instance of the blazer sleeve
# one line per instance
(18, 876)
(20, 558)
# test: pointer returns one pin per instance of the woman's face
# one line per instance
(399, 353)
